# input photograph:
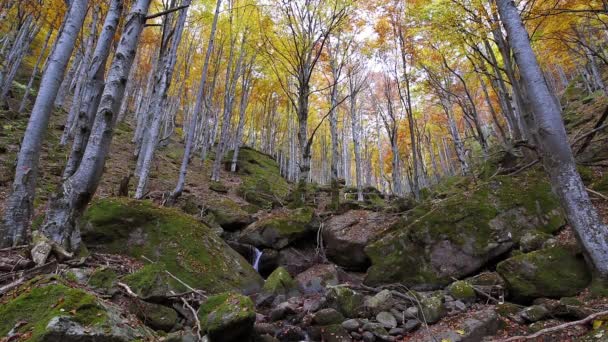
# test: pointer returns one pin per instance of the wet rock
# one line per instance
(296, 261)
(317, 278)
(534, 313)
(327, 317)
(552, 272)
(313, 304)
(386, 319)
(282, 310)
(280, 282)
(463, 291)
(347, 235)
(411, 312)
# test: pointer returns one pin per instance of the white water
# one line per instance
(258, 256)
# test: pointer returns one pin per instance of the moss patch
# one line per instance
(38, 305)
(177, 243)
(552, 272)
(227, 316)
(103, 278)
(280, 228)
(280, 282)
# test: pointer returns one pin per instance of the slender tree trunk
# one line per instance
(20, 204)
(30, 83)
(197, 109)
(93, 87)
(66, 208)
(555, 150)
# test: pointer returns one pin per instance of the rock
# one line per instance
(381, 301)
(55, 312)
(346, 236)
(42, 248)
(368, 337)
(296, 261)
(433, 309)
(334, 333)
(266, 338)
(280, 282)
(411, 312)
(437, 242)
(481, 324)
(280, 228)
(345, 300)
(313, 304)
(327, 317)
(397, 332)
(227, 317)
(533, 240)
(228, 214)
(103, 279)
(157, 317)
(177, 243)
(281, 311)
(463, 291)
(264, 329)
(317, 278)
(534, 313)
(355, 335)
(181, 336)
(455, 307)
(552, 272)
(351, 324)
(291, 333)
(261, 180)
(386, 319)
(411, 325)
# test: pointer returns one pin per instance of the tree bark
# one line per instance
(20, 204)
(66, 207)
(556, 153)
(30, 83)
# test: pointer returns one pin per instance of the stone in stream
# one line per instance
(386, 319)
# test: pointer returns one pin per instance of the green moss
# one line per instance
(601, 185)
(280, 282)
(345, 300)
(551, 272)
(103, 278)
(177, 242)
(38, 305)
(218, 187)
(586, 174)
(262, 183)
(462, 290)
(280, 228)
(507, 309)
(222, 311)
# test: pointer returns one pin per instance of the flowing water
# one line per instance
(256, 260)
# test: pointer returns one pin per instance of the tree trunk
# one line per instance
(556, 153)
(66, 208)
(20, 204)
(30, 83)
(93, 87)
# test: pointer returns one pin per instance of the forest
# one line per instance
(303, 170)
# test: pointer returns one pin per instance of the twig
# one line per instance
(128, 290)
(7, 249)
(196, 320)
(557, 327)
(170, 10)
(604, 197)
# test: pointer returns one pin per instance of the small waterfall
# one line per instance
(256, 260)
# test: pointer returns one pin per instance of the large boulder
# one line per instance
(454, 237)
(227, 317)
(551, 272)
(317, 278)
(174, 241)
(261, 180)
(228, 214)
(280, 282)
(280, 228)
(55, 312)
(346, 236)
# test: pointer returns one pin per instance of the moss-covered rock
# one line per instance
(280, 282)
(261, 180)
(176, 242)
(463, 291)
(55, 312)
(345, 300)
(441, 240)
(229, 214)
(552, 272)
(103, 279)
(157, 317)
(227, 317)
(533, 240)
(280, 228)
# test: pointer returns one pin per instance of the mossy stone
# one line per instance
(551, 272)
(279, 229)
(176, 242)
(280, 282)
(440, 240)
(229, 214)
(345, 300)
(463, 291)
(227, 317)
(103, 279)
(157, 317)
(433, 309)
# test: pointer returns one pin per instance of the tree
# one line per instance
(20, 203)
(556, 153)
